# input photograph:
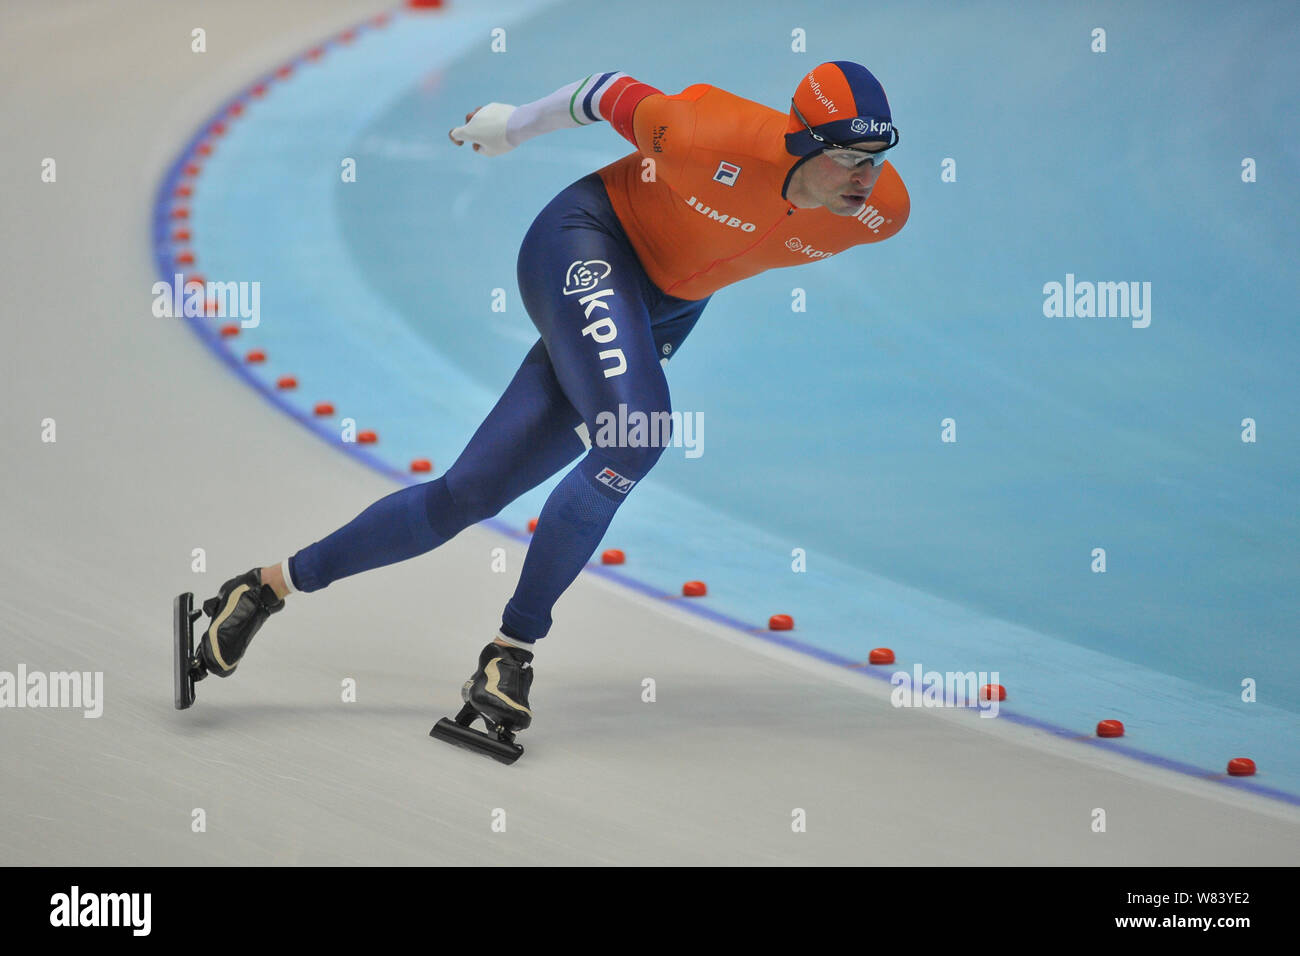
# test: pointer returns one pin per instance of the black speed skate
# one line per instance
(236, 614)
(498, 693)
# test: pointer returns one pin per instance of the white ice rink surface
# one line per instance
(161, 450)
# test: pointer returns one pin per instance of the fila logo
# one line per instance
(795, 244)
(722, 217)
(583, 276)
(608, 476)
(726, 173)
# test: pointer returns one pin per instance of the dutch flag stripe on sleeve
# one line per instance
(611, 97)
(595, 90)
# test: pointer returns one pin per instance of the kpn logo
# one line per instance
(870, 126)
(584, 276)
(795, 244)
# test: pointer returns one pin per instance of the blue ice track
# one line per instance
(822, 428)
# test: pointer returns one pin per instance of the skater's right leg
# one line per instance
(273, 575)
(527, 437)
(235, 615)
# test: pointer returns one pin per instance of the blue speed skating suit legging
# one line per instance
(604, 329)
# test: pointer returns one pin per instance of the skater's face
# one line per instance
(828, 180)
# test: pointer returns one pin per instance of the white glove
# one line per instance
(487, 129)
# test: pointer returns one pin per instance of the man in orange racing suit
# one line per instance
(614, 273)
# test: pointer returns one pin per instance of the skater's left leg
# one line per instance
(580, 508)
(606, 327)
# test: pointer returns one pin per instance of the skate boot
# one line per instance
(237, 612)
(497, 693)
(499, 688)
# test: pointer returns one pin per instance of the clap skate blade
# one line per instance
(186, 666)
(499, 744)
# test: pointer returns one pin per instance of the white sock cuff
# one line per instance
(513, 643)
(284, 572)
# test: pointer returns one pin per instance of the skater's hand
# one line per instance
(451, 133)
(485, 127)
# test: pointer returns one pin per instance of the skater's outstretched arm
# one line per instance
(498, 127)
